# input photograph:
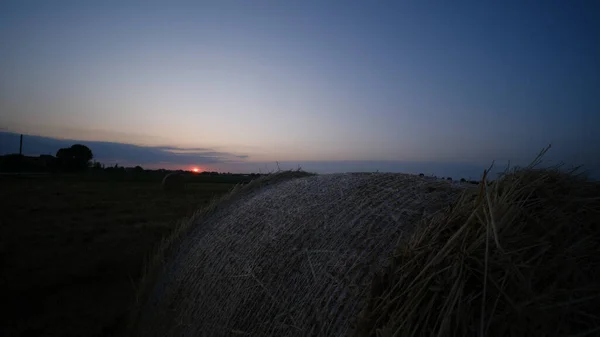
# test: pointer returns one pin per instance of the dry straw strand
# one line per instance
(538, 276)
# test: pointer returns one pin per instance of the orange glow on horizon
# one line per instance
(195, 170)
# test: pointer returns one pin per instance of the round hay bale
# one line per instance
(518, 257)
(288, 259)
(173, 181)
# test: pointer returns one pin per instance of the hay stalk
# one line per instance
(518, 258)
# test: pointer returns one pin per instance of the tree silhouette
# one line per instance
(74, 158)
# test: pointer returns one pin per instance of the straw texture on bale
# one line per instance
(517, 257)
(288, 259)
(173, 182)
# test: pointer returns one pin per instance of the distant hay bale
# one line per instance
(519, 257)
(173, 181)
(287, 258)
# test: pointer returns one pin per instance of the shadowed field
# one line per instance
(71, 251)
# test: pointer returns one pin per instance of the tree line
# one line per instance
(75, 158)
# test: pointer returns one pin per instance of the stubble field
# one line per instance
(72, 250)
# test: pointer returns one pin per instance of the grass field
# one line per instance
(71, 250)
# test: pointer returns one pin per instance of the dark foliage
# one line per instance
(75, 158)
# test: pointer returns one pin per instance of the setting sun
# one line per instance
(195, 169)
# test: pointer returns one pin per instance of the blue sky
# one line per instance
(330, 82)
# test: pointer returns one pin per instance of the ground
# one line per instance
(72, 250)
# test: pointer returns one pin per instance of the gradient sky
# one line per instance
(299, 81)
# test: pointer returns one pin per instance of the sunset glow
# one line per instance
(248, 86)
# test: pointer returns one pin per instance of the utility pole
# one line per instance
(20, 158)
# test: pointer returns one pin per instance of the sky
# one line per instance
(335, 85)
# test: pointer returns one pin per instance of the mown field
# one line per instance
(72, 250)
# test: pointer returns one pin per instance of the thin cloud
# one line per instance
(176, 149)
(127, 154)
